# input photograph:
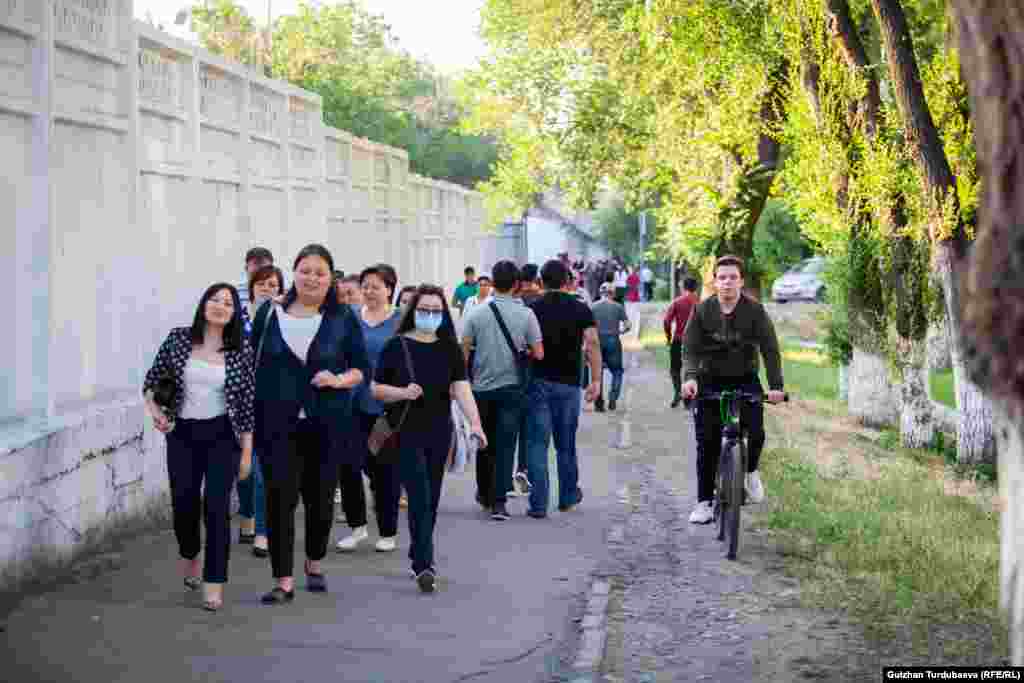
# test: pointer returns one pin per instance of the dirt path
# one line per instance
(679, 611)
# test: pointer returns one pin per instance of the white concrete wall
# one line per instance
(138, 170)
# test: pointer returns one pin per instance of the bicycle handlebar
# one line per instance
(748, 396)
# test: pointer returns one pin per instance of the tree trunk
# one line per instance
(874, 400)
(738, 220)
(939, 354)
(991, 37)
(917, 429)
(927, 149)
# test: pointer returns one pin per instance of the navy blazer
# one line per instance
(283, 381)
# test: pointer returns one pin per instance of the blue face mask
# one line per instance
(428, 322)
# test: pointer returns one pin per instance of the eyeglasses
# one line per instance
(429, 311)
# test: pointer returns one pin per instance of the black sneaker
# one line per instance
(425, 580)
(536, 515)
(599, 405)
(579, 499)
(611, 406)
(676, 400)
(499, 512)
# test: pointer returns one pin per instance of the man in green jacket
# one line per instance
(466, 289)
(721, 344)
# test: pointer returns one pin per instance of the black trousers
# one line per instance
(296, 463)
(385, 482)
(501, 413)
(709, 431)
(422, 459)
(198, 451)
(675, 371)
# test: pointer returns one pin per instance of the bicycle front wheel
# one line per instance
(733, 480)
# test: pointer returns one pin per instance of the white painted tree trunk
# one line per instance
(917, 428)
(874, 400)
(844, 382)
(1011, 564)
(939, 355)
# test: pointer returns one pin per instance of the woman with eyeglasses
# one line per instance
(310, 358)
(199, 393)
(426, 338)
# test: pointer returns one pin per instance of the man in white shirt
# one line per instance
(481, 297)
(647, 279)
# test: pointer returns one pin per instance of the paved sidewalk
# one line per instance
(504, 609)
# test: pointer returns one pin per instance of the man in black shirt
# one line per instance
(553, 402)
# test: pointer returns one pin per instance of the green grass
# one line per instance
(944, 388)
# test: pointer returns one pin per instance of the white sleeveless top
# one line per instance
(204, 390)
(298, 334)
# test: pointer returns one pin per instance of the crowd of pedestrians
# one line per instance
(280, 384)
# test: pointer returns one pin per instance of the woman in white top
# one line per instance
(199, 393)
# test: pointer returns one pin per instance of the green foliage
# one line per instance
(779, 243)
(369, 86)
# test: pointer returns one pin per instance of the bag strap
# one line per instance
(263, 332)
(504, 331)
(412, 377)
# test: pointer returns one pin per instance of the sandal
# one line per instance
(277, 596)
(212, 605)
(193, 583)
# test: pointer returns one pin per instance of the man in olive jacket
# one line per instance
(721, 343)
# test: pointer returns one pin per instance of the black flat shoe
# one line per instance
(316, 583)
(246, 539)
(277, 596)
(212, 605)
(193, 583)
(260, 552)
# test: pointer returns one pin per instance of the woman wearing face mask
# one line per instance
(312, 358)
(426, 339)
(378, 320)
(208, 420)
(265, 283)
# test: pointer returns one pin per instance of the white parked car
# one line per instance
(802, 281)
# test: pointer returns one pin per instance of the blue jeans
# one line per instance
(553, 410)
(251, 502)
(611, 357)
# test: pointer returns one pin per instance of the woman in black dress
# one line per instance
(426, 339)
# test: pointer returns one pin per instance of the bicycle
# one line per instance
(730, 494)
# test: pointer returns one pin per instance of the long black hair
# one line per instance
(408, 323)
(330, 304)
(232, 331)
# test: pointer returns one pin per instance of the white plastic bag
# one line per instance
(462, 455)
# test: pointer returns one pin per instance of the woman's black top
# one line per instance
(436, 365)
(283, 381)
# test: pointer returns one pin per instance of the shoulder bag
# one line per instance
(383, 437)
(521, 356)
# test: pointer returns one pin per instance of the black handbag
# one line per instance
(383, 440)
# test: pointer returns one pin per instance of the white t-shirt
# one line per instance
(298, 334)
(204, 390)
(647, 275)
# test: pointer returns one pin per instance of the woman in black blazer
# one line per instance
(310, 357)
(199, 393)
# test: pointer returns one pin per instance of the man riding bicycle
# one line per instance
(721, 344)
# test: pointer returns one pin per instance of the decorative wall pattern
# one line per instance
(265, 112)
(218, 96)
(92, 21)
(159, 78)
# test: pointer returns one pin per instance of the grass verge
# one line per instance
(871, 528)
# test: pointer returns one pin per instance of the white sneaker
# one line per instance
(352, 541)
(755, 490)
(337, 496)
(385, 544)
(702, 513)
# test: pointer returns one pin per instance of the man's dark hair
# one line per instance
(554, 274)
(729, 260)
(232, 331)
(470, 270)
(690, 284)
(258, 254)
(506, 275)
(529, 273)
(386, 273)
